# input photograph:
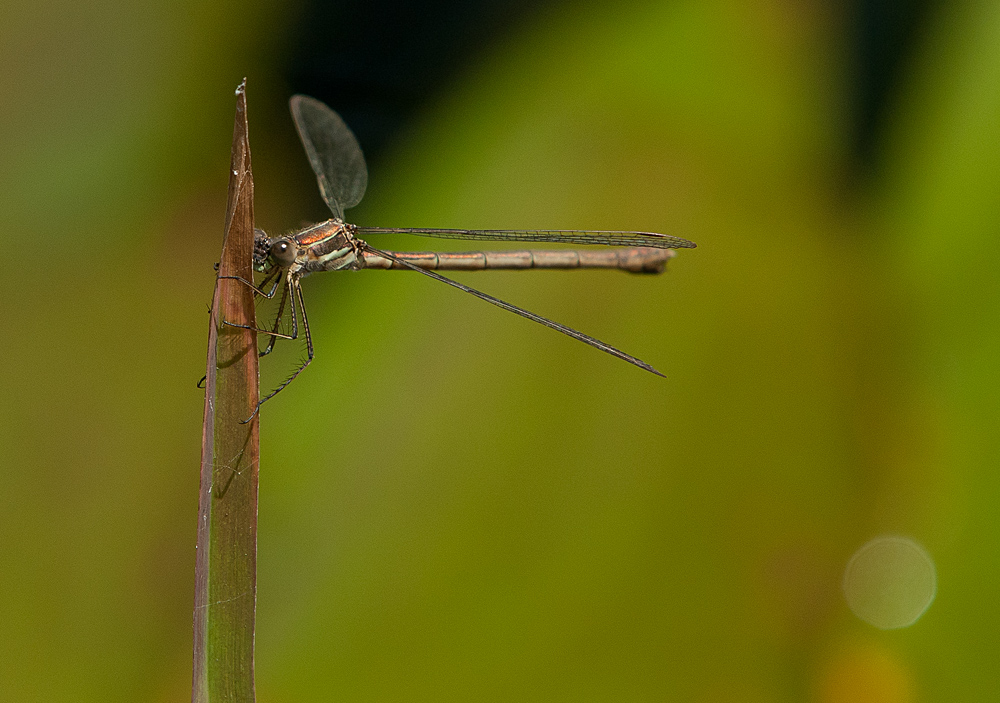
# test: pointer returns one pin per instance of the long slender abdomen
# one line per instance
(633, 260)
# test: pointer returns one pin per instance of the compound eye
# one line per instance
(283, 252)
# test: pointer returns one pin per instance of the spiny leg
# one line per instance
(296, 294)
(274, 334)
(257, 291)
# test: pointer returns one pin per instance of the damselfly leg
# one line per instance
(291, 296)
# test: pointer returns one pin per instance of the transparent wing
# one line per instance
(566, 236)
(333, 152)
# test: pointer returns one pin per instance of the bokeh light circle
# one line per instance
(890, 582)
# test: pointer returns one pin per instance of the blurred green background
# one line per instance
(457, 504)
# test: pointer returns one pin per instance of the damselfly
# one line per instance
(333, 245)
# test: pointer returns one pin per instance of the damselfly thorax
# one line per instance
(327, 246)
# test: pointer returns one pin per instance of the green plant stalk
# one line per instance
(226, 567)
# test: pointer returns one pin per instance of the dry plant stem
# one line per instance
(226, 567)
